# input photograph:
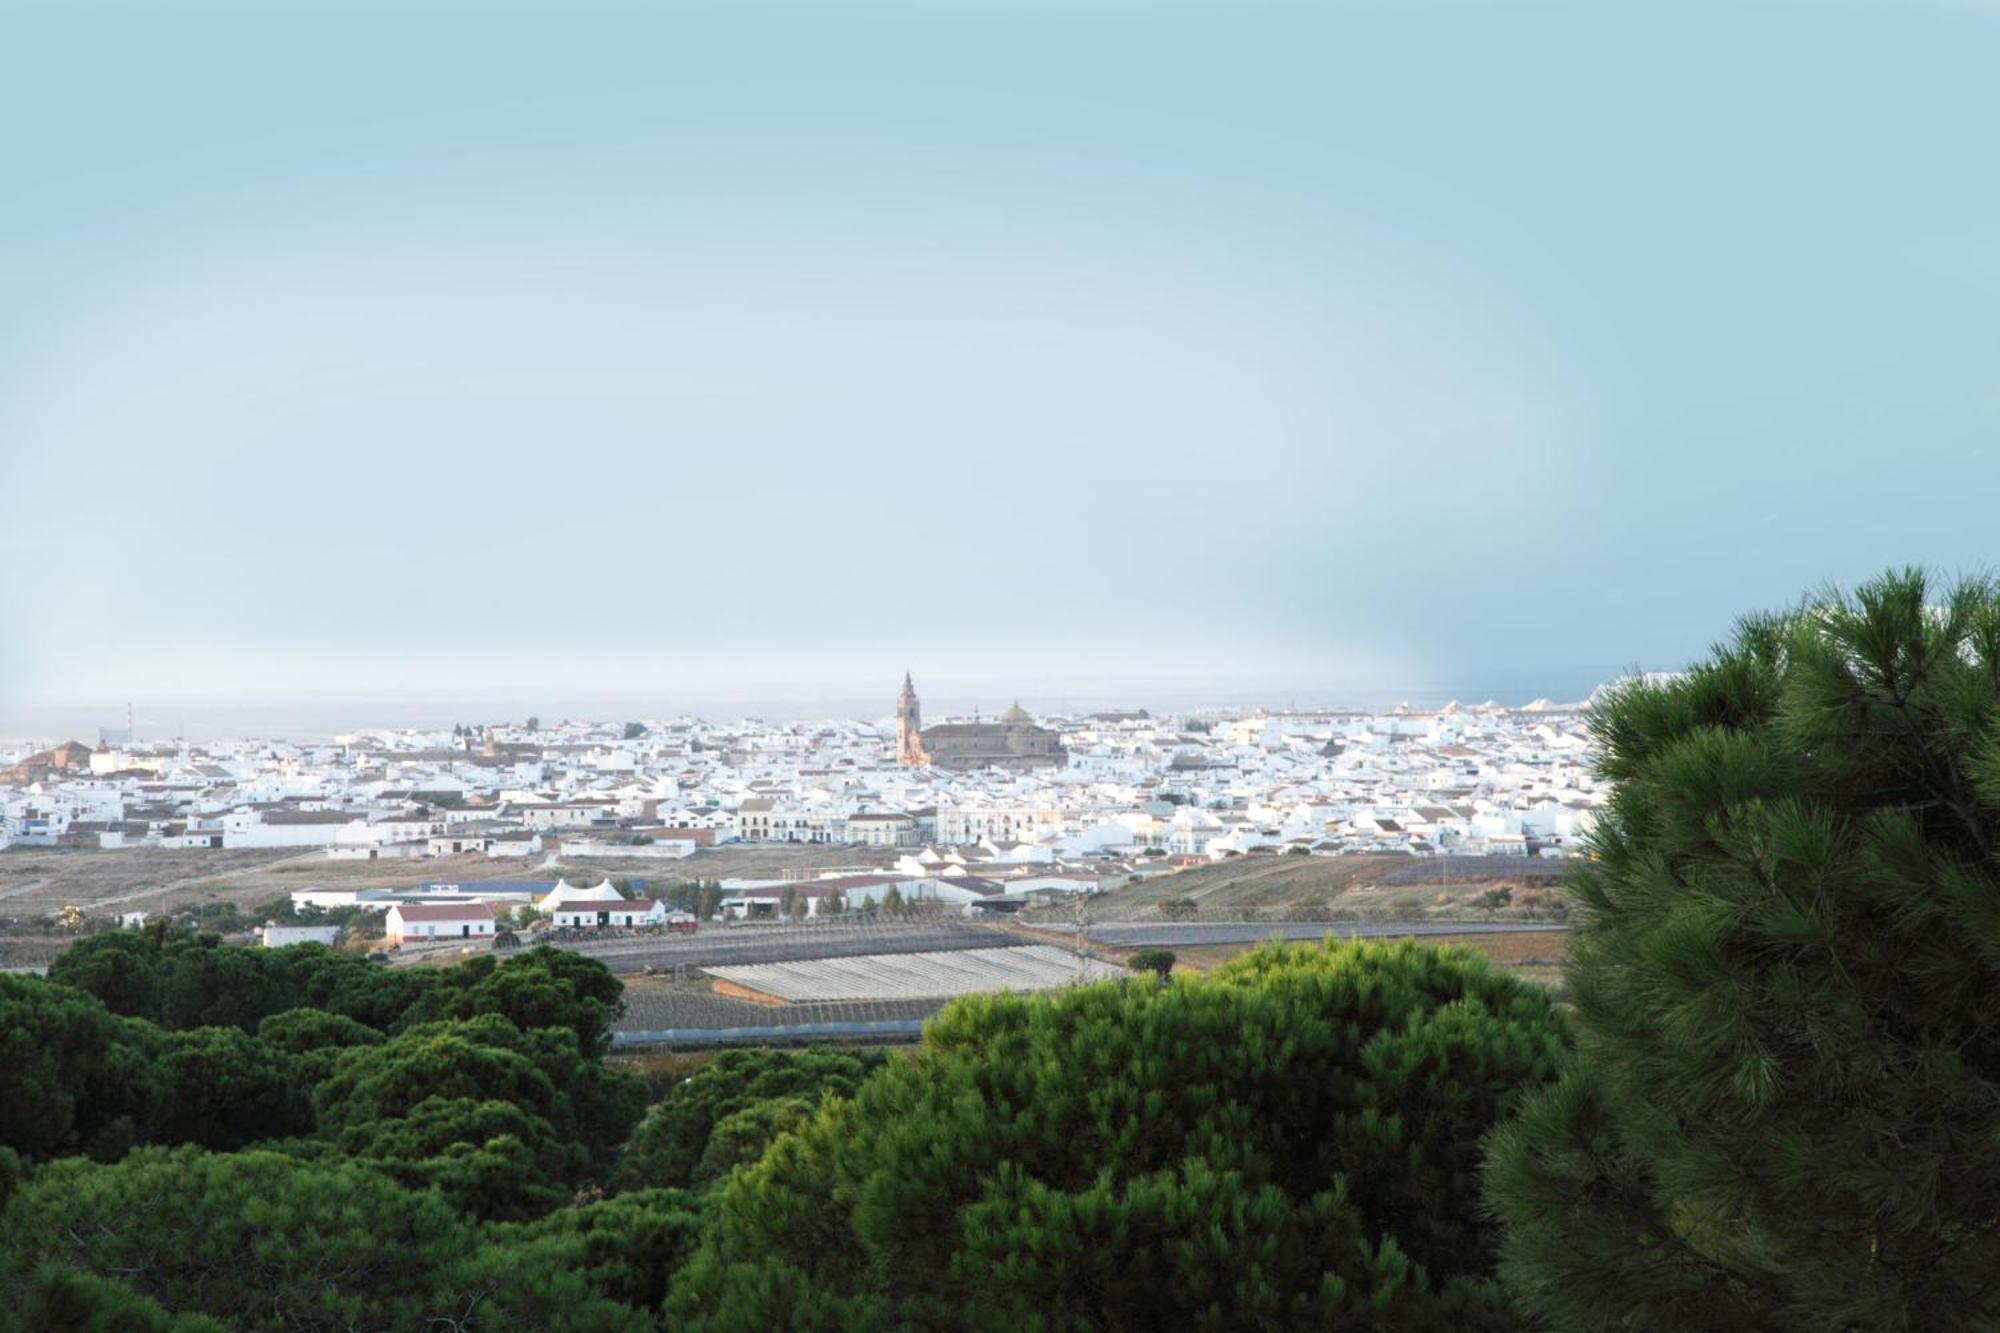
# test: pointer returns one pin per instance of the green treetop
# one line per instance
(1292, 1144)
(1782, 1107)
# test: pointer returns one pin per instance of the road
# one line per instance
(1124, 935)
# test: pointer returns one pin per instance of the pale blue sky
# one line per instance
(651, 353)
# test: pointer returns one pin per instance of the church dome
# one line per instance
(1016, 714)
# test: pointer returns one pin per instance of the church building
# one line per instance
(1014, 742)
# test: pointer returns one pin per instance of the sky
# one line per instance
(398, 361)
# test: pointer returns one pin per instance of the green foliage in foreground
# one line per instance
(356, 1180)
(673, 1145)
(73, 1078)
(505, 1121)
(1782, 1110)
(261, 1240)
(255, 1239)
(176, 979)
(598, 1266)
(56, 1298)
(1292, 1144)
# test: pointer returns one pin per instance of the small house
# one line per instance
(422, 922)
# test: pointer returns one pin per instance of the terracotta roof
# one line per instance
(444, 911)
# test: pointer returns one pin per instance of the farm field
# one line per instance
(654, 1004)
(1532, 955)
(751, 944)
(1329, 888)
(1019, 968)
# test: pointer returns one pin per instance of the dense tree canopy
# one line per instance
(1292, 1144)
(258, 1240)
(53, 1297)
(178, 979)
(1781, 1113)
(669, 1147)
(357, 1175)
(530, 1116)
(492, 1159)
(73, 1078)
(223, 1089)
(602, 1266)
(547, 988)
(313, 1040)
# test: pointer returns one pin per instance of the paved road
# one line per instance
(1126, 935)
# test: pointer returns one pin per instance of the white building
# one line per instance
(423, 922)
(622, 912)
(882, 829)
(283, 828)
(277, 937)
(566, 894)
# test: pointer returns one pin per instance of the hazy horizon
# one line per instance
(1219, 351)
(203, 720)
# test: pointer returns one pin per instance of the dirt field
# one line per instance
(35, 881)
(1533, 955)
(1331, 888)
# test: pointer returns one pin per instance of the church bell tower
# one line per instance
(909, 726)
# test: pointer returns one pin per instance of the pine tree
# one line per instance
(1782, 1110)
(1292, 1143)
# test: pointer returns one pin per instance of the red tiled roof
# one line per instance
(445, 911)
